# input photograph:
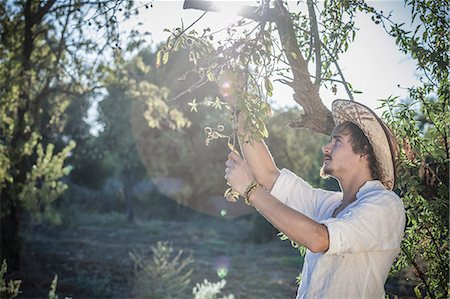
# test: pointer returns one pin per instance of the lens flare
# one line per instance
(226, 84)
(222, 272)
(222, 266)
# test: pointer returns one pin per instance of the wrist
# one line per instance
(249, 190)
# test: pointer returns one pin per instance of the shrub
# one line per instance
(8, 289)
(210, 290)
(162, 276)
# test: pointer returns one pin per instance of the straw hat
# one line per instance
(377, 132)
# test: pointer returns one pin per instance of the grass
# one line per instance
(97, 285)
(90, 254)
(293, 261)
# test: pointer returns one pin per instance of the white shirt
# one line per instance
(364, 238)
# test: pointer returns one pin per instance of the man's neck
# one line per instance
(351, 186)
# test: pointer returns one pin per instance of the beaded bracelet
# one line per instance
(249, 191)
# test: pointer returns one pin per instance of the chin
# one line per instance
(325, 173)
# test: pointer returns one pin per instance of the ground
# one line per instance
(91, 257)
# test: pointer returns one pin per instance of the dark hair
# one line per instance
(360, 145)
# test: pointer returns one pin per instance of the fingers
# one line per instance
(234, 156)
(229, 163)
(233, 160)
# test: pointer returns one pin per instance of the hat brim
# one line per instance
(377, 132)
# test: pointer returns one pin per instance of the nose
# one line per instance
(326, 148)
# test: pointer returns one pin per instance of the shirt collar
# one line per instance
(369, 186)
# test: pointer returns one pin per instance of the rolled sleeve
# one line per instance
(335, 237)
(373, 225)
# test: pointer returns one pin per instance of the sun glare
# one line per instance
(229, 8)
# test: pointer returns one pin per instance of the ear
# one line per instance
(363, 157)
(364, 153)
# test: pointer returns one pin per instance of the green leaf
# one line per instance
(165, 58)
(417, 291)
(158, 58)
(269, 86)
(217, 104)
(210, 76)
(193, 105)
(178, 43)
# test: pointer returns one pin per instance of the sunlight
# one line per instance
(224, 7)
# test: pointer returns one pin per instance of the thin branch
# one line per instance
(317, 43)
(43, 10)
(422, 277)
(201, 82)
(193, 23)
(344, 82)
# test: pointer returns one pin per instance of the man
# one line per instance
(352, 237)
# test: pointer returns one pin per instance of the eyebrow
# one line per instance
(336, 136)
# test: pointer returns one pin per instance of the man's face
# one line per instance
(339, 160)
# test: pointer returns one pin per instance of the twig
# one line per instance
(317, 42)
(344, 82)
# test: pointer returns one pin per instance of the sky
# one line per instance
(373, 64)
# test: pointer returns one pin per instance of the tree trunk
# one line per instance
(10, 238)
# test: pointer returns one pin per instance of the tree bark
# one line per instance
(317, 117)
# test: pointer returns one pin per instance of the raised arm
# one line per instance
(297, 226)
(259, 158)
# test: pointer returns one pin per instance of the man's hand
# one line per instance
(237, 173)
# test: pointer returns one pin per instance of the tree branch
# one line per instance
(316, 116)
(344, 82)
(43, 10)
(316, 39)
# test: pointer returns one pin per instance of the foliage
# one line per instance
(421, 126)
(165, 275)
(52, 293)
(90, 167)
(246, 62)
(423, 181)
(224, 67)
(8, 289)
(41, 74)
(209, 290)
(46, 174)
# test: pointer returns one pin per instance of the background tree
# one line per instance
(41, 73)
(421, 125)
